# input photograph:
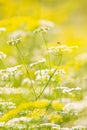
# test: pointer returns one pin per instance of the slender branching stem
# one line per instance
(51, 76)
(46, 45)
(26, 68)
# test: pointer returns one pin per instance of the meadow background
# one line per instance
(43, 65)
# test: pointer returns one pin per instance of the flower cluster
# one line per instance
(7, 73)
(8, 90)
(44, 74)
(2, 29)
(15, 41)
(42, 29)
(46, 23)
(27, 81)
(62, 48)
(68, 90)
(16, 37)
(38, 62)
(18, 122)
(4, 106)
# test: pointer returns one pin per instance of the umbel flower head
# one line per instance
(16, 37)
(42, 29)
(37, 62)
(15, 41)
(62, 48)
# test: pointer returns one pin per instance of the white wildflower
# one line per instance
(10, 72)
(79, 128)
(13, 70)
(38, 62)
(65, 128)
(45, 74)
(18, 120)
(70, 106)
(2, 29)
(82, 57)
(43, 29)
(67, 90)
(16, 37)
(62, 48)
(42, 75)
(14, 41)
(2, 55)
(46, 23)
(2, 124)
(7, 105)
(17, 34)
(8, 90)
(49, 125)
(5, 76)
(27, 81)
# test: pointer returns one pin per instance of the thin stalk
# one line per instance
(52, 100)
(46, 84)
(49, 80)
(41, 74)
(46, 45)
(2, 64)
(22, 59)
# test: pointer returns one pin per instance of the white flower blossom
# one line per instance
(2, 55)
(81, 57)
(2, 124)
(45, 74)
(79, 128)
(49, 125)
(27, 81)
(10, 72)
(62, 48)
(2, 29)
(38, 62)
(43, 29)
(17, 121)
(16, 37)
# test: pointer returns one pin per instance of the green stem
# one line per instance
(22, 59)
(49, 80)
(2, 64)
(45, 41)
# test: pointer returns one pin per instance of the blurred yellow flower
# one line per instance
(55, 118)
(56, 105)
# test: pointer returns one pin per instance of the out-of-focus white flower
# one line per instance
(10, 72)
(27, 81)
(46, 23)
(8, 91)
(2, 124)
(66, 128)
(49, 125)
(2, 55)
(38, 62)
(79, 127)
(7, 105)
(43, 29)
(16, 37)
(2, 29)
(81, 57)
(14, 41)
(17, 121)
(45, 74)
(68, 90)
(70, 106)
(62, 48)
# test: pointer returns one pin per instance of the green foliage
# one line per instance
(42, 81)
